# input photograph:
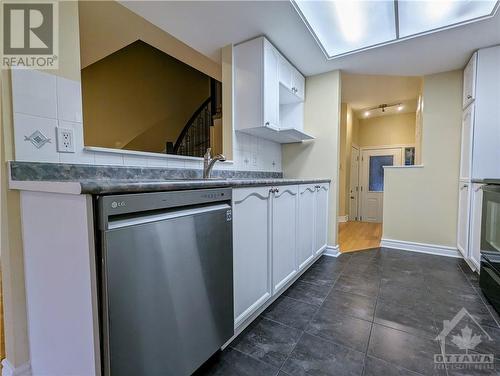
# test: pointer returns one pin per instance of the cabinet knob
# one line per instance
(464, 186)
(469, 96)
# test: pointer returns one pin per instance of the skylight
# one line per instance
(343, 27)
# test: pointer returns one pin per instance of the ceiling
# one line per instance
(365, 91)
(209, 25)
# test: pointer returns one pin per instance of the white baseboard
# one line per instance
(342, 218)
(432, 249)
(9, 370)
(332, 250)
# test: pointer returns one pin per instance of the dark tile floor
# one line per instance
(371, 313)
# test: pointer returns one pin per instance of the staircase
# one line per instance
(194, 138)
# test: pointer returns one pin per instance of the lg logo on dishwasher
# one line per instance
(118, 204)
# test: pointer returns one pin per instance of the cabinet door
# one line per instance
(469, 90)
(475, 224)
(284, 232)
(487, 115)
(285, 73)
(298, 84)
(251, 251)
(321, 218)
(306, 231)
(466, 146)
(271, 87)
(463, 219)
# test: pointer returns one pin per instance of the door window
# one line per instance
(376, 173)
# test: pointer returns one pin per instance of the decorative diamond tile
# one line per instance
(38, 139)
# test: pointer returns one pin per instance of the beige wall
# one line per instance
(139, 98)
(346, 139)
(107, 26)
(320, 158)
(396, 129)
(420, 204)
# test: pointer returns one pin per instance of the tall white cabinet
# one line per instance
(480, 151)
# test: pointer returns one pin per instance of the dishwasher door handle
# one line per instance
(149, 218)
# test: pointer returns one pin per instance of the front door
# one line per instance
(354, 185)
(372, 180)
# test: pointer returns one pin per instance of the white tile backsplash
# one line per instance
(34, 93)
(42, 101)
(135, 160)
(69, 100)
(25, 125)
(102, 158)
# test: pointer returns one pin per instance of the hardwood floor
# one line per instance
(354, 236)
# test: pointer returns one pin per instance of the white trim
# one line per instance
(145, 154)
(332, 251)
(342, 218)
(9, 370)
(432, 249)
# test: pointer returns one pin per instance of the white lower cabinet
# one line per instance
(284, 234)
(277, 232)
(306, 231)
(321, 217)
(476, 207)
(251, 250)
(463, 218)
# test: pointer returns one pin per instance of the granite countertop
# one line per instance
(97, 180)
(123, 186)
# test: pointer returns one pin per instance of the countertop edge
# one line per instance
(94, 187)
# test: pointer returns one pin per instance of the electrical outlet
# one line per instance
(65, 140)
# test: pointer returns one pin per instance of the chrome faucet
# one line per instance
(209, 162)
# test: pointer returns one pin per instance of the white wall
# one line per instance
(421, 204)
(319, 158)
(42, 101)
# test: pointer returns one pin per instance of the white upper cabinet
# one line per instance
(284, 235)
(486, 150)
(298, 84)
(271, 92)
(466, 144)
(463, 219)
(469, 90)
(285, 73)
(292, 83)
(268, 93)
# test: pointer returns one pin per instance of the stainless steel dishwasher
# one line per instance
(166, 280)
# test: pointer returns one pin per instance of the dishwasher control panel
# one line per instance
(141, 202)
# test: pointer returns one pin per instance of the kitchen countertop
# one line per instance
(107, 187)
(99, 186)
(98, 180)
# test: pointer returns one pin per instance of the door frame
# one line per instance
(354, 189)
(363, 184)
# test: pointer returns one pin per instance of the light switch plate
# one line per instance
(65, 140)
